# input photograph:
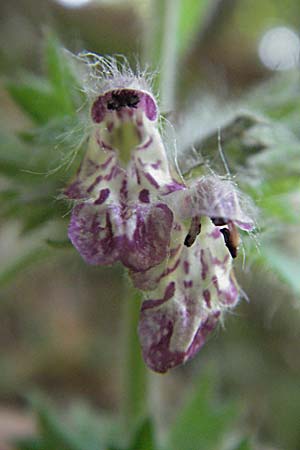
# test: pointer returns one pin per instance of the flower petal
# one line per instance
(214, 197)
(188, 302)
(137, 236)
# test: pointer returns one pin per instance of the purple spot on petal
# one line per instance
(104, 193)
(207, 297)
(149, 107)
(144, 196)
(174, 251)
(94, 184)
(231, 294)
(215, 233)
(169, 293)
(151, 180)
(188, 284)
(157, 164)
(106, 163)
(98, 110)
(74, 190)
(172, 187)
(204, 265)
(186, 267)
(145, 145)
(124, 191)
(214, 280)
(200, 337)
(114, 172)
(169, 270)
(104, 145)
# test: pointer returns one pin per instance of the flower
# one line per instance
(118, 213)
(177, 239)
(189, 295)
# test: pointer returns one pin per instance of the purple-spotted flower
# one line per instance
(119, 214)
(177, 239)
(190, 293)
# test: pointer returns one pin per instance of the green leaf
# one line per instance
(200, 425)
(144, 438)
(59, 72)
(54, 434)
(44, 99)
(38, 100)
(94, 430)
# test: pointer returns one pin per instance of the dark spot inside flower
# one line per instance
(189, 240)
(144, 196)
(229, 242)
(194, 230)
(219, 221)
(121, 99)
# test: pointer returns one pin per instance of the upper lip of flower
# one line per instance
(125, 98)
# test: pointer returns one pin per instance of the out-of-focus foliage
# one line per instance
(260, 138)
(200, 424)
(35, 165)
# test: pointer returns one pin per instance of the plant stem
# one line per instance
(134, 369)
(169, 54)
(161, 47)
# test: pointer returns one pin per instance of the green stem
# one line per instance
(161, 47)
(134, 369)
(169, 54)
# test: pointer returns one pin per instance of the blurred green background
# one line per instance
(61, 321)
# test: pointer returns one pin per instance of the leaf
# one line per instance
(94, 430)
(57, 96)
(144, 438)
(200, 425)
(54, 434)
(60, 73)
(38, 100)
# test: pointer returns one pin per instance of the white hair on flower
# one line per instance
(217, 198)
(100, 74)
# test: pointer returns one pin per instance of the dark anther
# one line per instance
(229, 242)
(219, 221)
(194, 230)
(121, 99)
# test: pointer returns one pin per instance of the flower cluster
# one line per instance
(177, 239)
